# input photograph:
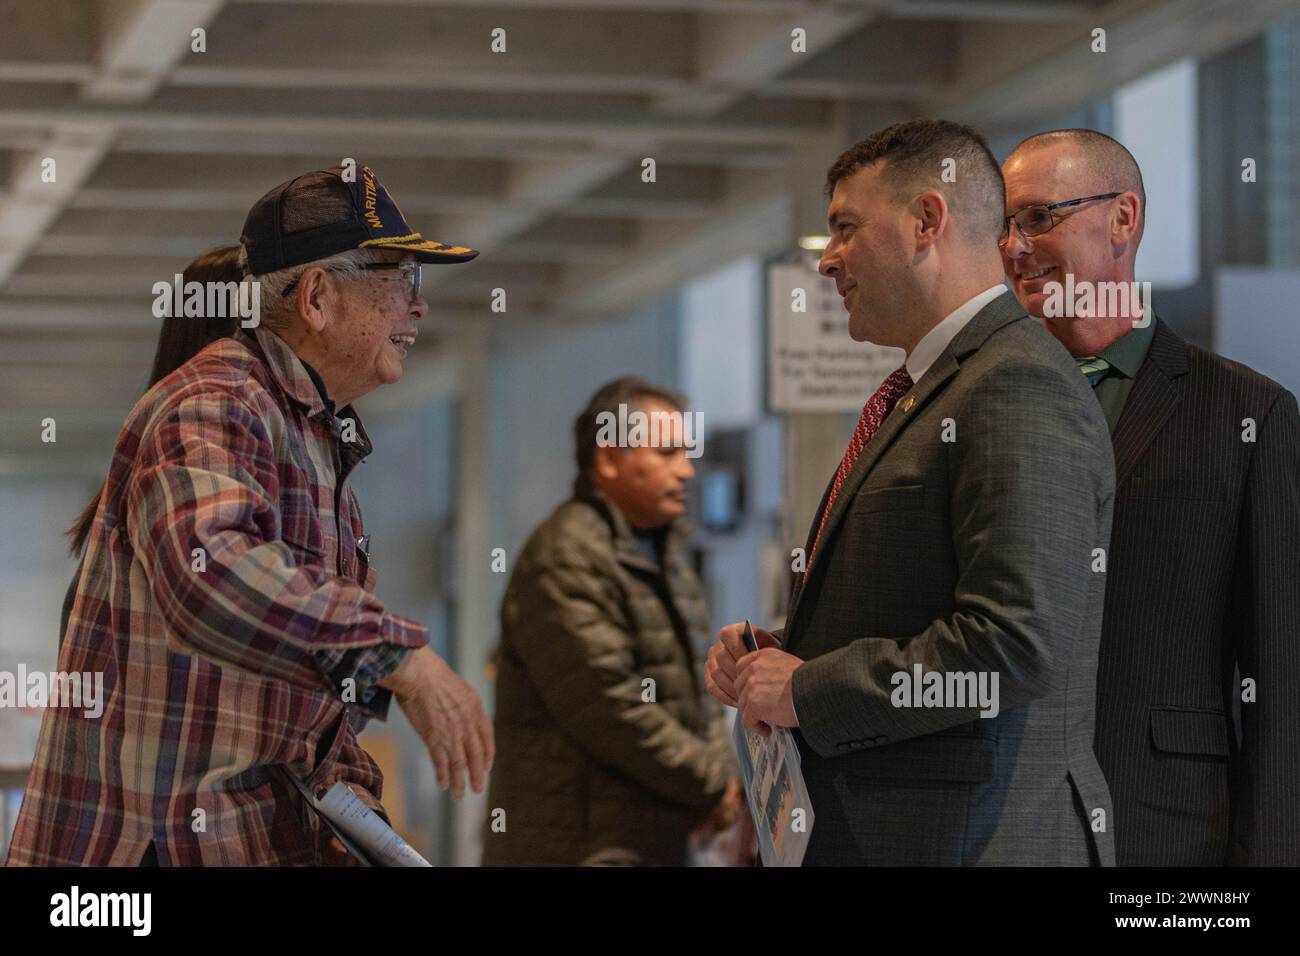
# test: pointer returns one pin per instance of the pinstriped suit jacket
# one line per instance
(1204, 577)
(967, 555)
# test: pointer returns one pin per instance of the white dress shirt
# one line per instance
(936, 340)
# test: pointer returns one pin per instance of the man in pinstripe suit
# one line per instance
(1198, 709)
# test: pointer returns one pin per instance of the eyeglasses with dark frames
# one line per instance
(1037, 219)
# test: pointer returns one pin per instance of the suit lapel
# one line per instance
(989, 319)
(1155, 394)
(944, 368)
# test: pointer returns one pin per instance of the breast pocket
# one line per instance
(879, 540)
(909, 497)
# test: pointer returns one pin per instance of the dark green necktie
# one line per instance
(1093, 368)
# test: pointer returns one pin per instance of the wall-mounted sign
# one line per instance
(813, 365)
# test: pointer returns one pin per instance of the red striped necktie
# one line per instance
(894, 387)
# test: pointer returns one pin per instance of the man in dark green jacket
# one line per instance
(608, 751)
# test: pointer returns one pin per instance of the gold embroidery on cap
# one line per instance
(372, 214)
(389, 240)
(415, 241)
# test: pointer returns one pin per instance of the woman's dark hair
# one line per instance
(180, 339)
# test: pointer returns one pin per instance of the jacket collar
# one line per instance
(1127, 353)
(291, 376)
(624, 541)
(936, 340)
(289, 372)
(1154, 397)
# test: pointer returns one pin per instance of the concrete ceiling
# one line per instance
(533, 155)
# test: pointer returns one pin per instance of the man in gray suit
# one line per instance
(940, 652)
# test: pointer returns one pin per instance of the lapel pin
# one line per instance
(908, 403)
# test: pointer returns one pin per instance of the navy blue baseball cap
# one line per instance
(375, 223)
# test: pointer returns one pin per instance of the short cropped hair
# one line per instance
(628, 390)
(915, 156)
(1110, 165)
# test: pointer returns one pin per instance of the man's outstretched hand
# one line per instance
(449, 717)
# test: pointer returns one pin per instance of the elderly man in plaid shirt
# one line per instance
(226, 594)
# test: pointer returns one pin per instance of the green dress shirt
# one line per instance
(1125, 355)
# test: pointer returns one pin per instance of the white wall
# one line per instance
(722, 345)
(1156, 119)
(540, 379)
(723, 364)
(35, 569)
(405, 489)
(1255, 321)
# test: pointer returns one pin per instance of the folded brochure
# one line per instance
(774, 788)
(362, 832)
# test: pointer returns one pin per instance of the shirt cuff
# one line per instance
(367, 666)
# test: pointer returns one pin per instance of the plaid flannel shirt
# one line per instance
(231, 612)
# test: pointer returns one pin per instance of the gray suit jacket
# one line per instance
(963, 540)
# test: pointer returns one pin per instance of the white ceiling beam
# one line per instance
(131, 287)
(238, 200)
(117, 349)
(142, 41)
(1015, 11)
(23, 71)
(357, 40)
(966, 9)
(611, 132)
(108, 222)
(497, 204)
(380, 152)
(377, 148)
(129, 244)
(612, 6)
(736, 57)
(431, 174)
(33, 203)
(753, 218)
(489, 81)
(556, 78)
(1141, 37)
(538, 190)
(17, 425)
(47, 386)
(20, 315)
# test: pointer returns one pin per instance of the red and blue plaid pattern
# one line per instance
(227, 604)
